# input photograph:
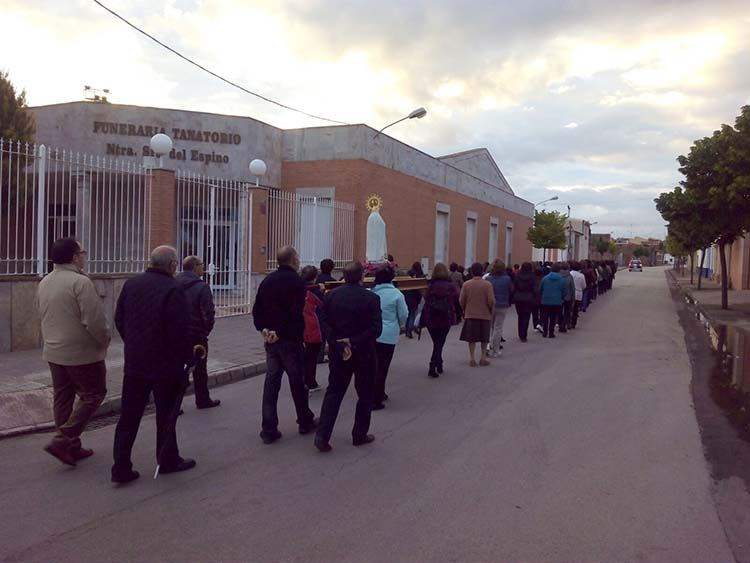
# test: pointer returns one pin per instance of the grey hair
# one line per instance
(162, 257)
(190, 262)
(285, 256)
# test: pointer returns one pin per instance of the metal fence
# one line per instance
(214, 222)
(318, 227)
(47, 193)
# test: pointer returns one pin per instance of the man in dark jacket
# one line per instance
(202, 315)
(278, 315)
(354, 317)
(152, 318)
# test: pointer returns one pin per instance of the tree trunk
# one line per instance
(700, 270)
(692, 266)
(724, 284)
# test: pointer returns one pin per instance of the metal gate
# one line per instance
(214, 222)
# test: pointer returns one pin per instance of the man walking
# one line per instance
(553, 291)
(580, 286)
(76, 336)
(201, 315)
(152, 318)
(564, 320)
(354, 317)
(278, 313)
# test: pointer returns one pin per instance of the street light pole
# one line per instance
(418, 113)
(554, 198)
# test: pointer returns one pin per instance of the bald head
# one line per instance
(164, 258)
(287, 256)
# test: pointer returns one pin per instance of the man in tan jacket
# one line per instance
(76, 336)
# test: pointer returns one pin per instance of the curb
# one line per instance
(689, 294)
(112, 405)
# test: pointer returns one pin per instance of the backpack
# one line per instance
(439, 305)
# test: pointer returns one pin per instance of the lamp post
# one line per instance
(161, 144)
(258, 169)
(554, 198)
(418, 113)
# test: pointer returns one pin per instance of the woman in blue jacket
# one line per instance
(395, 313)
(553, 290)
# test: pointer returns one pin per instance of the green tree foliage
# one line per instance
(713, 203)
(641, 252)
(548, 230)
(16, 124)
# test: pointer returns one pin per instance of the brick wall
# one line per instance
(409, 209)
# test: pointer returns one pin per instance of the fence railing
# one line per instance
(214, 222)
(318, 227)
(47, 193)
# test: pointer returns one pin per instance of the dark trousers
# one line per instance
(574, 319)
(524, 311)
(200, 378)
(284, 356)
(536, 316)
(89, 383)
(312, 352)
(362, 367)
(585, 301)
(565, 315)
(439, 336)
(550, 314)
(135, 394)
(384, 355)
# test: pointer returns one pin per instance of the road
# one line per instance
(582, 448)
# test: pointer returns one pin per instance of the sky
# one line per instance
(589, 101)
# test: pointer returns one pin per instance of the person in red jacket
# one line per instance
(313, 335)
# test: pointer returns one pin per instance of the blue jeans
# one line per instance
(289, 357)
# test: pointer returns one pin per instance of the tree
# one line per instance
(717, 180)
(16, 124)
(612, 248)
(641, 251)
(601, 245)
(548, 230)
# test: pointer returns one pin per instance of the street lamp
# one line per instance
(418, 113)
(554, 198)
(258, 169)
(161, 144)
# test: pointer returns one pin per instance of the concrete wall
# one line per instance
(85, 127)
(409, 209)
(20, 325)
(356, 142)
(480, 164)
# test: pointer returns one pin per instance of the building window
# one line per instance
(494, 233)
(471, 238)
(442, 232)
(508, 243)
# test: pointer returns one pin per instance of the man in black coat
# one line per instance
(152, 318)
(354, 317)
(277, 314)
(202, 314)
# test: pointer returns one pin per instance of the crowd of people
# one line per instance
(165, 321)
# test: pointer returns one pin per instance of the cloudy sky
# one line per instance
(591, 101)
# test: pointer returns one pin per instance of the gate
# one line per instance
(214, 222)
(48, 193)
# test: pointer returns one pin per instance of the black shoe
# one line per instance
(385, 397)
(309, 428)
(502, 339)
(181, 412)
(432, 372)
(523, 340)
(378, 407)
(368, 439)
(439, 369)
(123, 477)
(323, 446)
(551, 335)
(210, 404)
(270, 438)
(181, 465)
(544, 335)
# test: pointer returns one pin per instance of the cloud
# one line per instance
(571, 125)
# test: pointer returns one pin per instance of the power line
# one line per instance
(192, 62)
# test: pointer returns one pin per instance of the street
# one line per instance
(581, 448)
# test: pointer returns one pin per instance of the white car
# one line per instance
(635, 266)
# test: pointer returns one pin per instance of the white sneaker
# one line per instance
(538, 327)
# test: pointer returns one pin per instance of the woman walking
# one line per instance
(525, 297)
(478, 303)
(553, 292)
(502, 286)
(394, 313)
(313, 335)
(413, 298)
(439, 314)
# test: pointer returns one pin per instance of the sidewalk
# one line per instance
(708, 300)
(235, 352)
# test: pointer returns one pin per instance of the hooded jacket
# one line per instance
(525, 288)
(393, 312)
(553, 289)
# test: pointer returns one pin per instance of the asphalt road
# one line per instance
(582, 448)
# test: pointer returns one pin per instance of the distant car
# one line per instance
(635, 266)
